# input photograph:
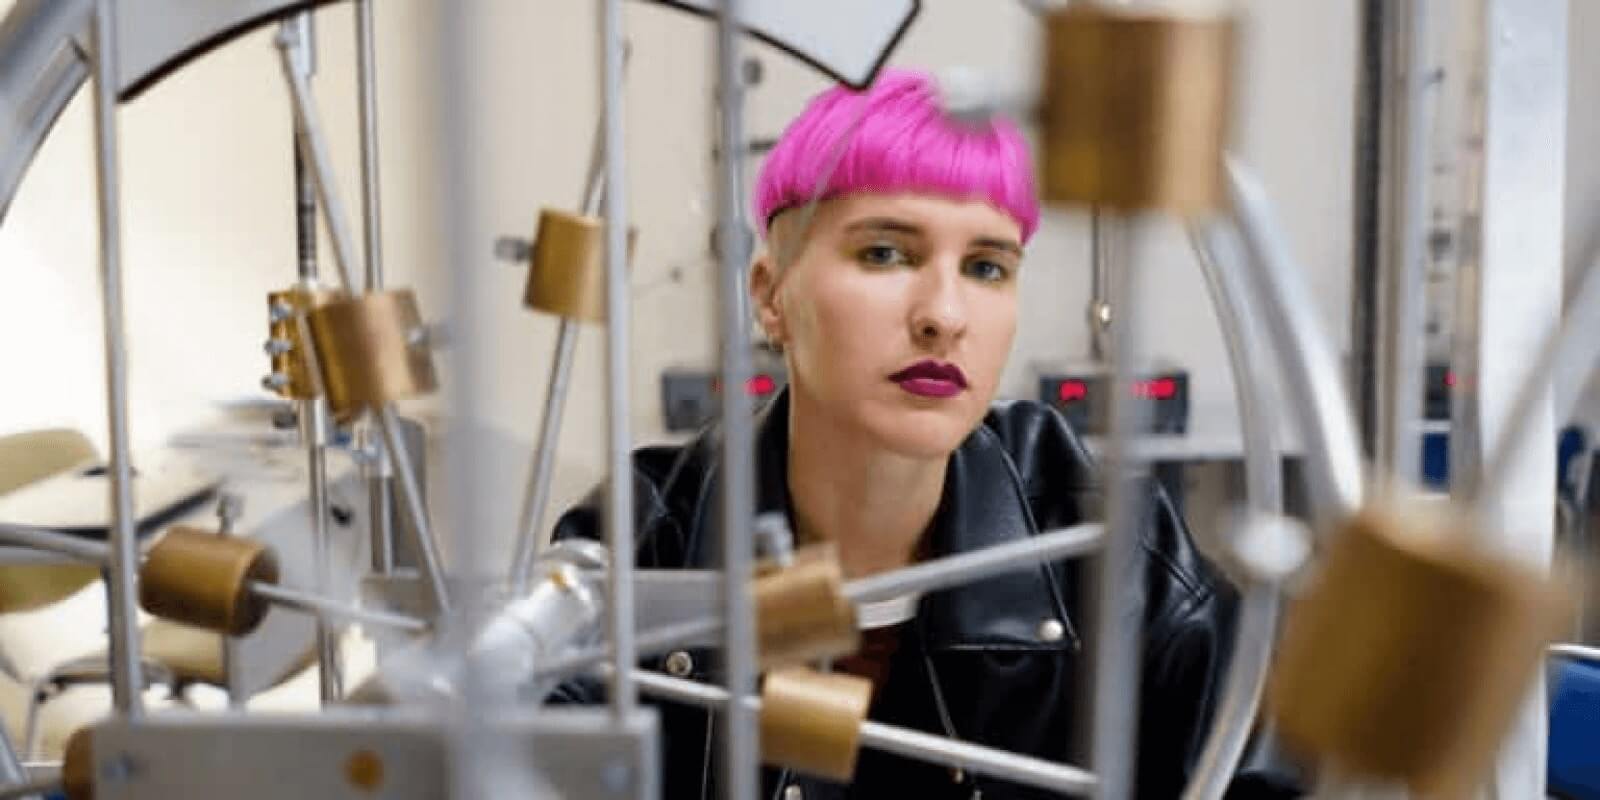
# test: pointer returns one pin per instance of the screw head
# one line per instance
(275, 381)
(1051, 630)
(679, 664)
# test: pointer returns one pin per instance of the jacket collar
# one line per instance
(984, 504)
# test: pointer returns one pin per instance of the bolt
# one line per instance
(277, 347)
(513, 248)
(279, 311)
(275, 381)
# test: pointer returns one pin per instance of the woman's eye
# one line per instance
(883, 255)
(987, 271)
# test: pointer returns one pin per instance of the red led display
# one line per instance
(761, 385)
(1156, 388)
(1069, 391)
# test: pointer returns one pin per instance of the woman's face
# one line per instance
(896, 314)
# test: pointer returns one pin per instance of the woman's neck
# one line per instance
(873, 504)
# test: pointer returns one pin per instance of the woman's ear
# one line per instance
(764, 298)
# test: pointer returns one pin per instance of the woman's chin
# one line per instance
(922, 434)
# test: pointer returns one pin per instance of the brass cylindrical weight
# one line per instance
(373, 350)
(77, 765)
(1136, 109)
(1408, 653)
(567, 274)
(811, 721)
(202, 579)
(285, 347)
(802, 613)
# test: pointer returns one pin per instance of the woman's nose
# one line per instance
(938, 313)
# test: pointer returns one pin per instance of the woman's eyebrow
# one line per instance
(1005, 245)
(886, 224)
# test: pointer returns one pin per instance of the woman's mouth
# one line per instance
(931, 379)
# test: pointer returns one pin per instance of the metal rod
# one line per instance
(1578, 651)
(11, 769)
(1258, 421)
(741, 744)
(55, 542)
(619, 437)
(122, 579)
(327, 609)
(1316, 393)
(530, 541)
(1103, 253)
(315, 426)
(380, 488)
(411, 495)
(900, 741)
(1116, 635)
(31, 789)
(1402, 264)
(921, 578)
(976, 565)
(309, 130)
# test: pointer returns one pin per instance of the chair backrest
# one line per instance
(35, 455)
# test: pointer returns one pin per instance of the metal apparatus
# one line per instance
(1135, 113)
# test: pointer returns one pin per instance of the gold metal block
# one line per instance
(286, 350)
(811, 721)
(373, 350)
(802, 613)
(567, 274)
(1136, 109)
(1408, 653)
(199, 578)
(77, 765)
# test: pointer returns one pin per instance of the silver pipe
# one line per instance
(1258, 422)
(122, 579)
(315, 426)
(31, 789)
(300, 27)
(1312, 376)
(1116, 635)
(380, 490)
(957, 570)
(619, 438)
(1402, 300)
(54, 542)
(741, 744)
(411, 495)
(327, 609)
(309, 132)
(977, 759)
(900, 741)
(1103, 258)
(11, 769)
(530, 541)
(921, 578)
(1578, 651)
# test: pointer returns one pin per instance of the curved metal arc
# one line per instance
(1318, 399)
(1258, 422)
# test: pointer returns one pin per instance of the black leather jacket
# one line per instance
(974, 664)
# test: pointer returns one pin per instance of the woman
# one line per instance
(894, 240)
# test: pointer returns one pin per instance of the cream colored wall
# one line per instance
(209, 226)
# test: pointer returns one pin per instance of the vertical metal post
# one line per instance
(1402, 267)
(619, 436)
(530, 539)
(1119, 613)
(380, 488)
(1104, 243)
(127, 679)
(741, 765)
(313, 410)
(1510, 300)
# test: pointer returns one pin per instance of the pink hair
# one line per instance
(900, 139)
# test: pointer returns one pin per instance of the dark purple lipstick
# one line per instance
(930, 378)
